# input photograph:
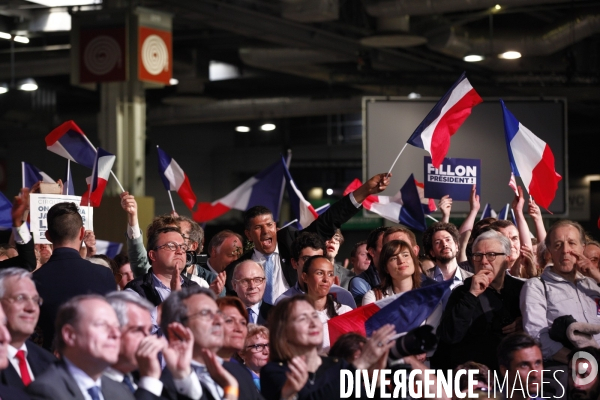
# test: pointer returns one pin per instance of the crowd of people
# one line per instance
(163, 322)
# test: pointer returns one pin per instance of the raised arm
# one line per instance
(517, 205)
(135, 244)
(536, 215)
(467, 225)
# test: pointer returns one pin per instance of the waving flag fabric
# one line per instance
(301, 208)
(97, 182)
(433, 134)
(405, 310)
(404, 207)
(174, 178)
(488, 212)
(262, 189)
(32, 175)
(5, 217)
(531, 159)
(69, 141)
(109, 249)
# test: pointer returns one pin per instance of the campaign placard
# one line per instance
(454, 177)
(39, 204)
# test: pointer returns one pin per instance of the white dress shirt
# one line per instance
(84, 381)
(280, 285)
(12, 357)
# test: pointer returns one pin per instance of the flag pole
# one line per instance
(89, 201)
(112, 173)
(288, 160)
(296, 220)
(23, 174)
(396, 160)
(171, 198)
(68, 175)
(431, 218)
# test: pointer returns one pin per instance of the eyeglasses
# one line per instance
(21, 299)
(205, 314)
(172, 246)
(490, 256)
(258, 348)
(246, 282)
(336, 238)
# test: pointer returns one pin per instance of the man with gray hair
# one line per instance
(482, 311)
(195, 308)
(139, 351)
(21, 303)
(249, 284)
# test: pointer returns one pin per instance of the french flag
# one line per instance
(5, 213)
(301, 208)
(69, 141)
(488, 212)
(531, 159)
(404, 207)
(109, 249)
(97, 182)
(175, 179)
(433, 134)
(262, 189)
(405, 310)
(32, 175)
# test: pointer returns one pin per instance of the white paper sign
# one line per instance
(39, 204)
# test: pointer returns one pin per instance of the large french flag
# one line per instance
(32, 175)
(531, 159)
(262, 189)
(405, 310)
(405, 207)
(174, 178)
(433, 134)
(97, 182)
(301, 208)
(69, 141)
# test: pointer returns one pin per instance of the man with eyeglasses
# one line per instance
(249, 284)
(482, 311)
(332, 247)
(21, 303)
(167, 256)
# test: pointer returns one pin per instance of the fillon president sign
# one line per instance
(454, 177)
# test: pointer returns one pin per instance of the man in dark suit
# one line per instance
(87, 338)
(7, 392)
(20, 301)
(272, 247)
(66, 274)
(26, 254)
(196, 309)
(249, 284)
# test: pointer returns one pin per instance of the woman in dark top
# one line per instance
(296, 371)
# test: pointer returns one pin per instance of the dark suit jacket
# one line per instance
(25, 259)
(39, 361)
(324, 226)
(57, 383)
(144, 286)
(140, 394)
(63, 277)
(11, 393)
(263, 314)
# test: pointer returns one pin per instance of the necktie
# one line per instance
(269, 270)
(23, 367)
(251, 316)
(94, 392)
(127, 382)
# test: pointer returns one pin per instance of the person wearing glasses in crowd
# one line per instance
(249, 284)
(235, 326)
(332, 247)
(255, 353)
(296, 371)
(317, 274)
(167, 257)
(21, 303)
(482, 311)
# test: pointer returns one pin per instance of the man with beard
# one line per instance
(482, 311)
(441, 244)
(582, 386)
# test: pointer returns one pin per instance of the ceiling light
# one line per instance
(65, 3)
(173, 81)
(242, 129)
(329, 192)
(473, 58)
(497, 7)
(267, 127)
(27, 85)
(21, 39)
(414, 95)
(510, 55)
(3, 88)
(4, 35)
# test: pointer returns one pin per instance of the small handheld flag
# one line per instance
(174, 178)
(69, 141)
(32, 175)
(99, 179)
(301, 208)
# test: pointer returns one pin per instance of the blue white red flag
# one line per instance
(531, 159)
(301, 208)
(174, 178)
(262, 189)
(97, 182)
(488, 212)
(433, 134)
(69, 141)
(5, 215)
(109, 249)
(405, 310)
(507, 213)
(405, 207)
(32, 175)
